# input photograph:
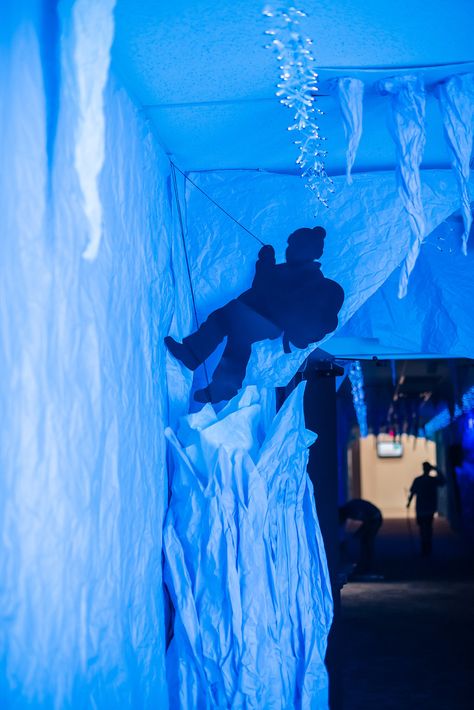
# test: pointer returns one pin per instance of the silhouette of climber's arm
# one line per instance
(440, 477)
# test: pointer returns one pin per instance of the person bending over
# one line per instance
(371, 520)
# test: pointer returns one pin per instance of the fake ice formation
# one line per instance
(456, 100)
(297, 90)
(408, 115)
(350, 93)
(94, 31)
(82, 449)
(244, 559)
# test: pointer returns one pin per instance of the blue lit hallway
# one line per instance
(236, 294)
(408, 641)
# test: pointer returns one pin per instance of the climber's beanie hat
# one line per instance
(308, 233)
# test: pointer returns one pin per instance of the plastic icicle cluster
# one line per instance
(297, 90)
(357, 382)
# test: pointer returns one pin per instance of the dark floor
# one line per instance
(408, 642)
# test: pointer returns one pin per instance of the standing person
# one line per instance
(371, 518)
(425, 488)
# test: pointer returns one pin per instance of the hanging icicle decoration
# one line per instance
(358, 396)
(456, 100)
(349, 93)
(408, 99)
(94, 32)
(297, 90)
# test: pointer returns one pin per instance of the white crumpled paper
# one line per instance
(245, 563)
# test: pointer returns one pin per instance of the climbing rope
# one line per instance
(186, 177)
(188, 268)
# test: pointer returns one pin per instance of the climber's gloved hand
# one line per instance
(267, 254)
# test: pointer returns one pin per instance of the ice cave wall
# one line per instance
(83, 396)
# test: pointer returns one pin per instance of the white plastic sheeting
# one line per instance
(350, 95)
(93, 31)
(82, 399)
(245, 562)
(456, 99)
(368, 236)
(433, 318)
(408, 104)
(84, 402)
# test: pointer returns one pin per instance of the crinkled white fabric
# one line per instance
(368, 236)
(456, 99)
(244, 560)
(93, 34)
(350, 95)
(408, 104)
(82, 401)
(178, 378)
(433, 318)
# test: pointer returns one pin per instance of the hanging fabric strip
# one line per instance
(408, 130)
(456, 100)
(94, 32)
(350, 94)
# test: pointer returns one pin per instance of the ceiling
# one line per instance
(200, 72)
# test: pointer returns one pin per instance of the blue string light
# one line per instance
(358, 396)
(444, 419)
(297, 90)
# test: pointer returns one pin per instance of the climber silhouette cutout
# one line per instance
(292, 299)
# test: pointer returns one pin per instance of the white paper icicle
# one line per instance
(350, 93)
(456, 100)
(94, 31)
(408, 101)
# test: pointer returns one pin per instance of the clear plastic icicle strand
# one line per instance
(297, 89)
(358, 396)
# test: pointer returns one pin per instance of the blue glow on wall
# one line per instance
(87, 386)
(465, 473)
(444, 419)
(83, 455)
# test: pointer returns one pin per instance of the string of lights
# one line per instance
(358, 396)
(297, 90)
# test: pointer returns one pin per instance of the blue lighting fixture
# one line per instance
(357, 382)
(297, 90)
(443, 419)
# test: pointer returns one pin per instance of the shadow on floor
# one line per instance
(407, 642)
